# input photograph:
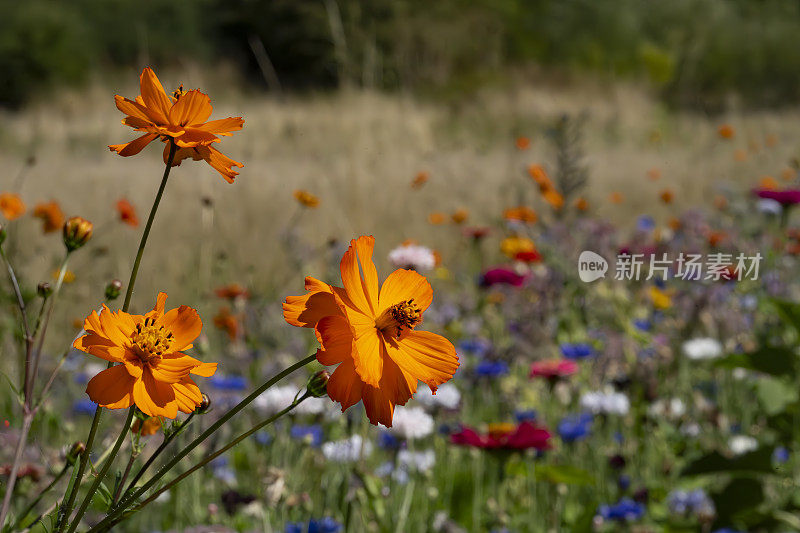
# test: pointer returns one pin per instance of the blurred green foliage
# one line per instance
(696, 52)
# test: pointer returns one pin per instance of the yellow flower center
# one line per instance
(402, 315)
(500, 430)
(151, 341)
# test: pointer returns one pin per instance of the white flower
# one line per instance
(411, 423)
(413, 256)
(419, 461)
(740, 444)
(609, 403)
(447, 397)
(275, 399)
(769, 206)
(673, 408)
(346, 450)
(703, 348)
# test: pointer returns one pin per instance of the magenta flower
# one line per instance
(786, 198)
(505, 437)
(502, 276)
(553, 368)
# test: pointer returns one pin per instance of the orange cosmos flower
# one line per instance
(726, 131)
(769, 183)
(581, 204)
(616, 197)
(306, 199)
(539, 175)
(148, 427)
(554, 198)
(654, 174)
(523, 143)
(181, 117)
(436, 218)
(127, 213)
(153, 372)
(11, 206)
(51, 215)
(520, 214)
(666, 196)
(369, 332)
(232, 292)
(420, 179)
(226, 321)
(459, 216)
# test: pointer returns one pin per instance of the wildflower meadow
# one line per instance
(531, 295)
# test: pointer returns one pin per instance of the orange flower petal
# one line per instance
(153, 94)
(305, 311)
(361, 289)
(398, 386)
(192, 137)
(131, 108)
(428, 357)
(193, 107)
(223, 126)
(133, 147)
(367, 353)
(401, 285)
(187, 395)
(378, 406)
(336, 338)
(154, 398)
(99, 346)
(112, 388)
(173, 370)
(220, 162)
(185, 325)
(344, 386)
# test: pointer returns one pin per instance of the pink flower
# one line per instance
(785, 198)
(553, 368)
(505, 437)
(502, 275)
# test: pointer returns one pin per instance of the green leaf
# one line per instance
(789, 312)
(757, 461)
(775, 361)
(566, 474)
(775, 394)
(739, 495)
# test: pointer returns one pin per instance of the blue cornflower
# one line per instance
(780, 455)
(323, 525)
(263, 438)
(625, 510)
(387, 441)
(575, 427)
(528, 415)
(576, 350)
(478, 346)
(645, 223)
(312, 433)
(230, 383)
(84, 407)
(642, 324)
(491, 369)
(694, 502)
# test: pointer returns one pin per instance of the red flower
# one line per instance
(502, 276)
(127, 213)
(531, 256)
(553, 368)
(505, 437)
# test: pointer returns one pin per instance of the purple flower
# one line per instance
(502, 276)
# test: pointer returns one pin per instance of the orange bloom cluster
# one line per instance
(546, 187)
(51, 215)
(726, 131)
(228, 322)
(11, 205)
(368, 331)
(520, 214)
(152, 370)
(420, 179)
(181, 117)
(306, 199)
(127, 213)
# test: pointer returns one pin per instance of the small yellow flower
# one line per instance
(511, 246)
(69, 276)
(661, 299)
(306, 199)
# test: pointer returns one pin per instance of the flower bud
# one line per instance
(204, 406)
(75, 451)
(77, 231)
(44, 289)
(113, 289)
(318, 384)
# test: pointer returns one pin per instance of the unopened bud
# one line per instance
(318, 384)
(204, 406)
(113, 289)
(44, 289)
(77, 231)
(75, 451)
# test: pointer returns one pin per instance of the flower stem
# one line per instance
(197, 441)
(18, 524)
(152, 458)
(66, 509)
(207, 459)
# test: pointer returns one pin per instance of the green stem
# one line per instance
(207, 433)
(102, 474)
(207, 459)
(65, 511)
(161, 448)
